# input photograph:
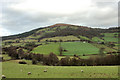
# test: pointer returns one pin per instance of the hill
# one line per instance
(62, 51)
(61, 30)
(68, 34)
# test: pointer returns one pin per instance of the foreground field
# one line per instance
(12, 69)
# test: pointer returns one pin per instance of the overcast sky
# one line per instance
(18, 16)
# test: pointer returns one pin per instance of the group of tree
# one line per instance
(88, 32)
(29, 46)
(16, 53)
(98, 61)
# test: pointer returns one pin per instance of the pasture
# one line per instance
(72, 48)
(110, 37)
(47, 48)
(79, 48)
(5, 57)
(63, 38)
(96, 39)
(107, 49)
(11, 69)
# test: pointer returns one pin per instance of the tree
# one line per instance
(30, 46)
(20, 53)
(60, 50)
(65, 61)
(38, 57)
(13, 52)
(53, 59)
(111, 45)
(101, 51)
(34, 61)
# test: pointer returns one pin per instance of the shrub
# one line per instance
(83, 54)
(34, 61)
(22, 62)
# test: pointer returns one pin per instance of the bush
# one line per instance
(22, 62)
(83, 54)
(52, 59)
(1, 59)
(34, 61)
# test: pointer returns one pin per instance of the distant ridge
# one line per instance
(63, 24)
(62, 29)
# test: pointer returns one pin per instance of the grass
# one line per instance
(79, 48)
(30, 40)
(63, 38)
(46, 49)
(5, 57)
(82, 57)
(83, 37)
(63, 27)
(96, 39)
(35, 37)
(107, 49)
(109, 37)
(0, 69)
(59, 57)
(50, 31)
(73, 27)
(14, 70)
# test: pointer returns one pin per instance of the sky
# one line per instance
(18, 16)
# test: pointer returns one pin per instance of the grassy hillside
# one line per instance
(47, 48)
(110, 37)
(5, 56)
(97, 39)
(79, 48)
(63, 38)
(72, 48)
(83, 37)
(65, 32)
(107, 49)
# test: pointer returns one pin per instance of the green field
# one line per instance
(79, 48)
(84, 38)
(47, 48)
(63, 38)
(109, 37)
(96, 39)
(12, 69)
(107, 49)
(82, 57)
(5, 57)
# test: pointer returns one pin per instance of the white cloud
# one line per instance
(4, 32)
(24, 15)
(53, 6)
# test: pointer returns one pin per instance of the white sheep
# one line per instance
(29, 73)
(21, 70)
(45, 70)
(81, 70)
(3, 76)
(84, 42)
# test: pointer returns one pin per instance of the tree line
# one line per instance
(53, 60)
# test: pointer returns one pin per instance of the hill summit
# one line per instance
(61, 29)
